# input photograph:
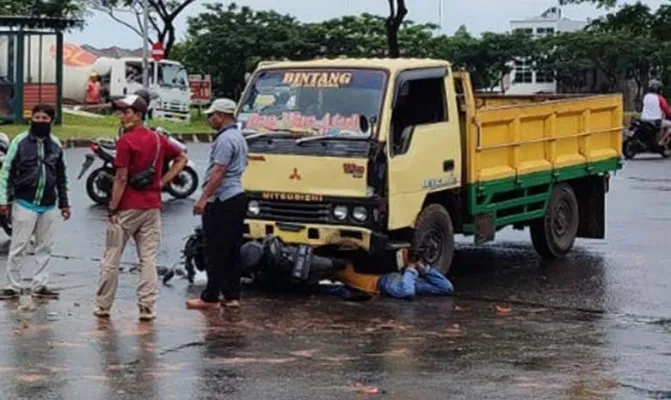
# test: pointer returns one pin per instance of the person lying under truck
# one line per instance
(414, 278)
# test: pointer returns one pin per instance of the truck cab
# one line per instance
(168, 80)
(329, 144)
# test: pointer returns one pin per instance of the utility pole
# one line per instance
(145, 44)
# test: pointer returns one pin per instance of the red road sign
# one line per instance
(157, 51)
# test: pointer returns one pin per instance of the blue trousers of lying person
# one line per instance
(412, 281)
(425, 280)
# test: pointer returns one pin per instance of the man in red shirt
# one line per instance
(135, 207)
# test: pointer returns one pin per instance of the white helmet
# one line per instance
(655, 84)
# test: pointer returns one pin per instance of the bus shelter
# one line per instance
(31, 65)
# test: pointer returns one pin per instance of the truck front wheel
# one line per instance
(554, 234)
(433, 240)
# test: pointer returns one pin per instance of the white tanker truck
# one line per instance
(168, 79)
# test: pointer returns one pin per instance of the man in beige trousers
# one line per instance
(135, 207)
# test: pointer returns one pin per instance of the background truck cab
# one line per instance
(427, 159)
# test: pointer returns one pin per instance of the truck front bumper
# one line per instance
(318, 235)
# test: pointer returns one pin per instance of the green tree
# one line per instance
(497, 53)
(646, 35)
(489, 59)
(616, 55)
(636, 19)
(74, 9)
(598, 3)
(352, 36)
(161, 17)
(565, 60)
(227, 42)
(366, 36)
(462, 51)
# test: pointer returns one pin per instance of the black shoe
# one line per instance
(45, 293)
(9, 294)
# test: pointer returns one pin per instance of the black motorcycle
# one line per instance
(271, 264)
(5, 221)
(99, 183)
(643, 137)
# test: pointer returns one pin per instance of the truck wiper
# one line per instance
(266, 134)
(330, 137)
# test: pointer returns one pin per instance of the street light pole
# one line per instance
(440, 15)
(145, 44)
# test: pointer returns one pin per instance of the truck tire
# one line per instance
(554, 234)
(433, 239)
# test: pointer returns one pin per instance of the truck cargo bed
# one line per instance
(514, 140)
(517, 147)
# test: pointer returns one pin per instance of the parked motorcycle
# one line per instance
(642, 137)
(5, 221)
(99, 183)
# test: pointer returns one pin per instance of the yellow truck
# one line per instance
(383, 154)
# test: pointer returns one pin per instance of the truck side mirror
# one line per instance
(363, 123)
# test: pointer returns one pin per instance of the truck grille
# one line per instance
(173, 106)
(294, 212)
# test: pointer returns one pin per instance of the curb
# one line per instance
(186, 137)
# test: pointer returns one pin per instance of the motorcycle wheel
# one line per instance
(93, 185)
(184, 184)
(628, 149)
(6, 225)
(666, 153)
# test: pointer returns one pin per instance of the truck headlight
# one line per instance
(340, 213)
(360, 213)
(253, 208)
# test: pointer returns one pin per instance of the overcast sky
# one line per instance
(478, 15)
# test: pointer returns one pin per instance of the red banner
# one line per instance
(201, 89)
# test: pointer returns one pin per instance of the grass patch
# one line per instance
(78, 127)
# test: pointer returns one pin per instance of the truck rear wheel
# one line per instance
(433, 240)
(554, 234)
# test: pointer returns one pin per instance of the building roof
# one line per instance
(543, 19)
(381, 63)
(552, 14)
(58, 24)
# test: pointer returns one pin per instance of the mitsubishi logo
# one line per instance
(295, 175)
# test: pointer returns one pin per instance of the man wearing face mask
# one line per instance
(32, 183)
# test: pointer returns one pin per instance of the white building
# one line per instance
(523, 79)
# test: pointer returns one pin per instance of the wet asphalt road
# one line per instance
(594, 326)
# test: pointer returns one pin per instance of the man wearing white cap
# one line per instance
(223, 206)
(135, 207)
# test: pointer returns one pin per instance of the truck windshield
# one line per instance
(323, 101)
(172, 75)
